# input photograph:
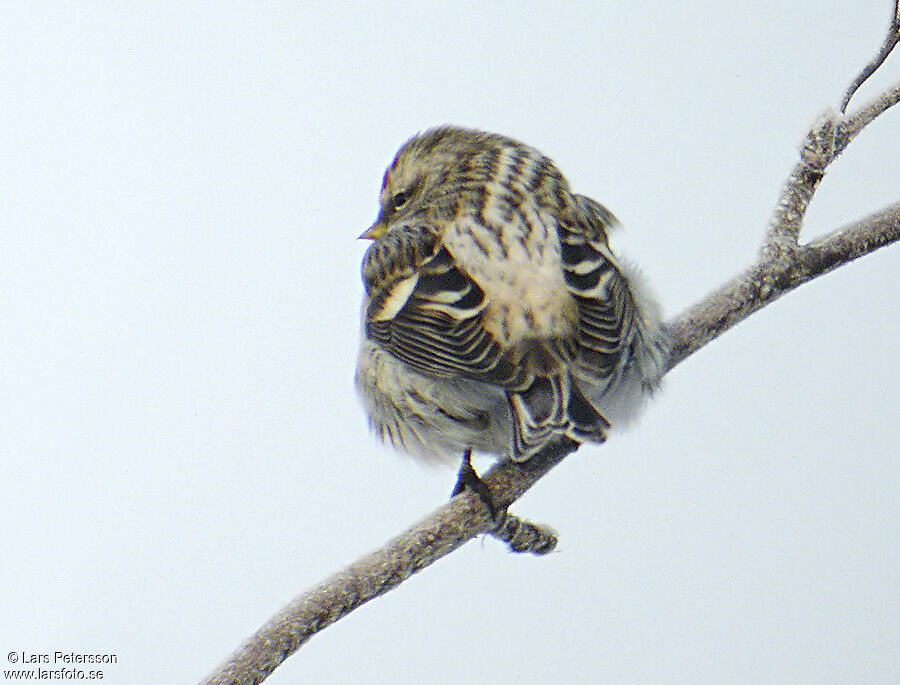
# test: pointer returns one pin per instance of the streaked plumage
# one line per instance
(496, 317)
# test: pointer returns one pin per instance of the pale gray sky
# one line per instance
(182, 449)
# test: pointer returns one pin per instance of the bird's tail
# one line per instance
(552, 406)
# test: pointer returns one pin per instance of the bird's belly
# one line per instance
(432, 418)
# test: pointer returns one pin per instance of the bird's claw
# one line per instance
(468, 479)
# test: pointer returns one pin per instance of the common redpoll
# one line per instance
(496, 317)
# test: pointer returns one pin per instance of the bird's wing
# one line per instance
(427, 312)
(606, 308)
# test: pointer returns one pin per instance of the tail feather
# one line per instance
(550, 407)
(586, 424)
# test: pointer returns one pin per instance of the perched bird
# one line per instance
(495, 316)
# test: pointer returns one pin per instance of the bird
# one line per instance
(496, 318)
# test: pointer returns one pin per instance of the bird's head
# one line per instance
(430, 171)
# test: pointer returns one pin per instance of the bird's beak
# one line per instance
(374, 231)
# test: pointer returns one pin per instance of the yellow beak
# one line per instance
(375, 231)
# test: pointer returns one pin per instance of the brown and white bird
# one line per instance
(496, 318)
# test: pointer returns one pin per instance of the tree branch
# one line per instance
(890, 42)
(783, 265)
(770, 279)
(445, 530)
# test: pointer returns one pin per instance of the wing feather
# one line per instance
(605, 304)
(438, 329)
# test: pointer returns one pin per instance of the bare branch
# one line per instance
(429, 540)
(845, 245)
(890, 42)
(766, 282)
(445, 530)
(826, 140)
(815, 155)
(855, 123)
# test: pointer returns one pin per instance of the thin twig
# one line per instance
(853, 124)
(765, 283)
(826, 140)
(890, 42)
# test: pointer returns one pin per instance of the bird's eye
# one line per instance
(399, 199)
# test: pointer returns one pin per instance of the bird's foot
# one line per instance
(468, 479)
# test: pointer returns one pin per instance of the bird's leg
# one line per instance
(468, 479)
